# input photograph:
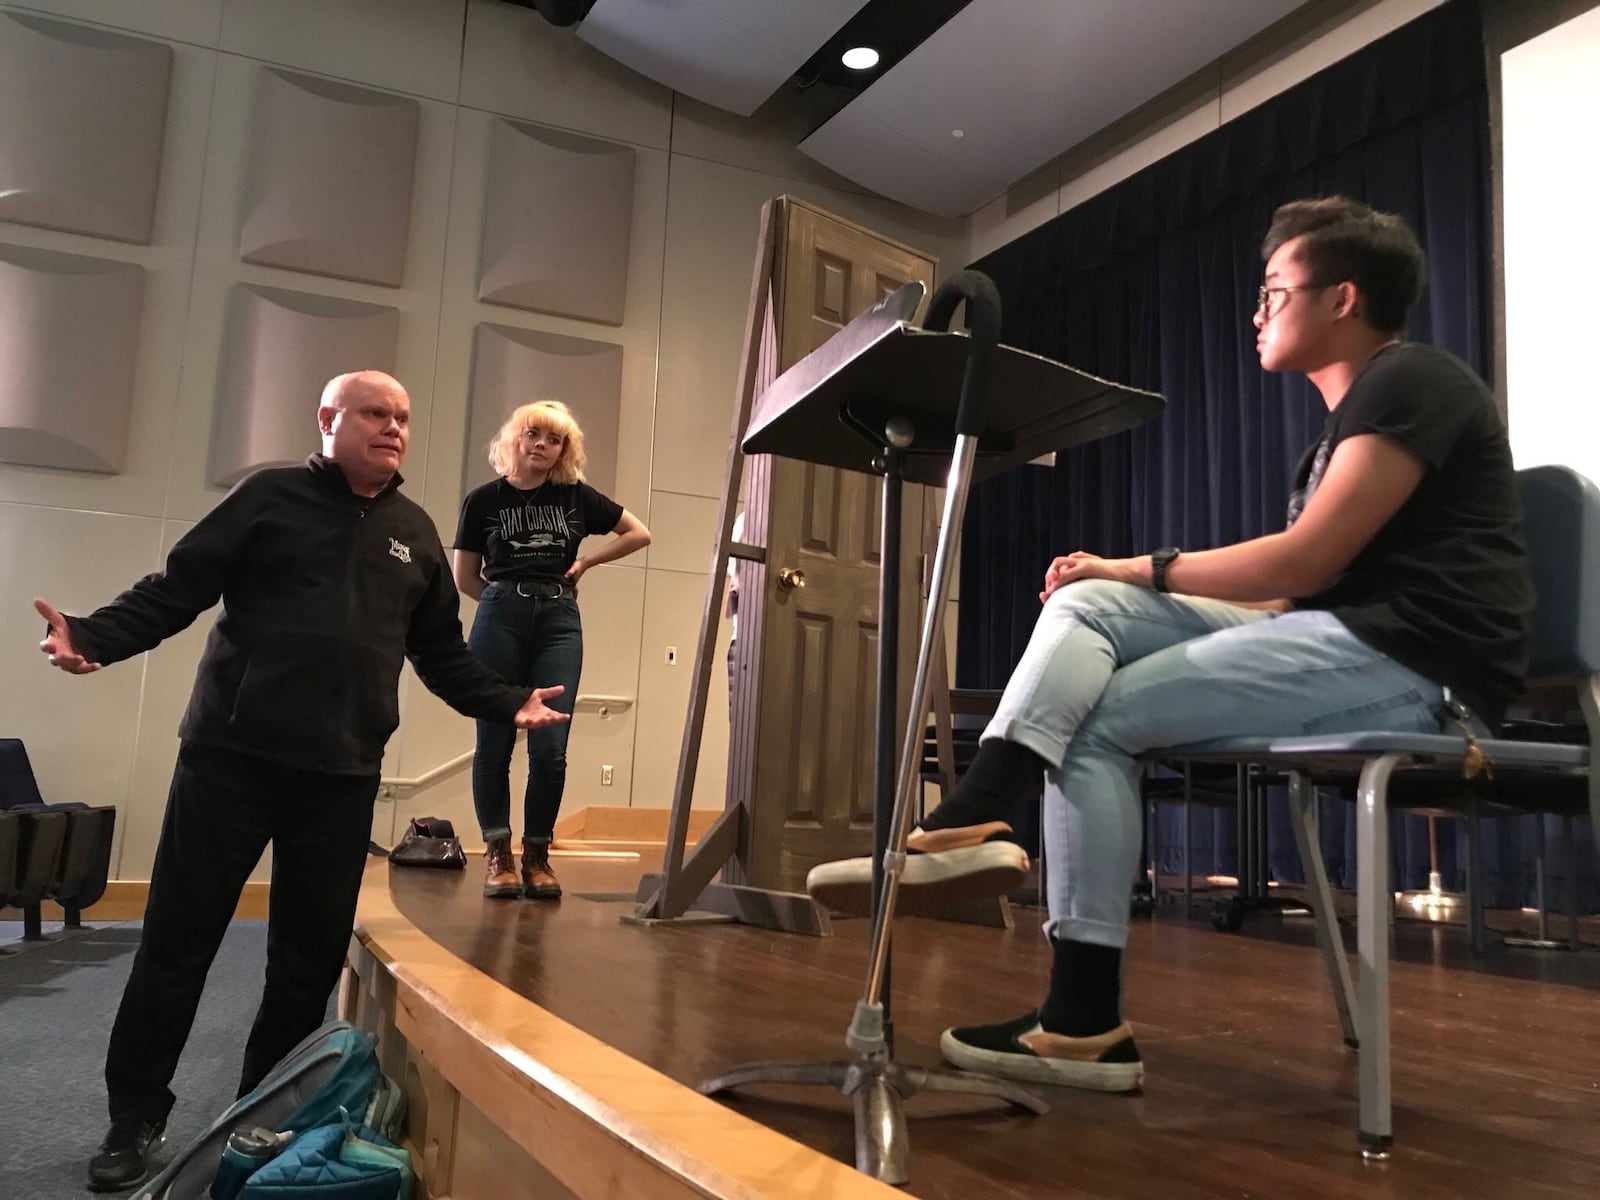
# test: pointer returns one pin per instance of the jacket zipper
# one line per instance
(352, 573)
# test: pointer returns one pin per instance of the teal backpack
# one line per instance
(320, 1126)
(336, 1159)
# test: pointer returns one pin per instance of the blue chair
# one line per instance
(18, 787)
(1563, 529)
(62, 851)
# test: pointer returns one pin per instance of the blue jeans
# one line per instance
(532, 641)
(1113, 670)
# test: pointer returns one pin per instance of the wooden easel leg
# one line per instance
(684, 883)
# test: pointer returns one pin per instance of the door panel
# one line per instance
(816, 669)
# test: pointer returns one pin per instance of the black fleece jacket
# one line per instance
(324, 594)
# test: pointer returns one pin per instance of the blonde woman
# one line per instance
(516, 554)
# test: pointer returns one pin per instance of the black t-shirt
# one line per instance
(1444, 587)
(529, 535)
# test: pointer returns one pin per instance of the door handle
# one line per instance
(790, 578)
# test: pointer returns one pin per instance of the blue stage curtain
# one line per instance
(1153, 283)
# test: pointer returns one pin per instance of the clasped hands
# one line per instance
(1080, 564)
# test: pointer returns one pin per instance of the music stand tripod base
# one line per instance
(877, 1086)
(878, 396)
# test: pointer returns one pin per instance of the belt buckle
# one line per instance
(559, 591)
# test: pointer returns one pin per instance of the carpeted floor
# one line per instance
(57, 1001)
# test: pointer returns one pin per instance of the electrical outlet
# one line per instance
(672, 656)
(605, 775)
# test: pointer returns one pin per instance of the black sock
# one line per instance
(1001, 774)
(1085, 989)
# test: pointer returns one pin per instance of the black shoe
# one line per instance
(124, 1157)
(1021, 1049)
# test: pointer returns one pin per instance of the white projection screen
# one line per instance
(1551, 137)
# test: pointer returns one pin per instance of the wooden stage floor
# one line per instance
(1249, 1092)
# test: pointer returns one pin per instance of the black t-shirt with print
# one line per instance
(532, 535)
(1444, 587)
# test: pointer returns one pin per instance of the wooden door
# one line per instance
(813, 675)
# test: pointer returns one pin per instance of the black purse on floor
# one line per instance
(430, 842)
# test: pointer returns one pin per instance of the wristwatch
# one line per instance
(1160, 560)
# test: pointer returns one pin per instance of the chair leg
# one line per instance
(1541, 874)
(1570, 858)
(1247, 842)
(1589, 702)
(1541, 883)
(1241, 833)
(1263, 873)
(1155, 851)
(1188, 842)
(1303, 818)
(1477, 926)
(1389, 888)
(1246, 788)
(1374, 902)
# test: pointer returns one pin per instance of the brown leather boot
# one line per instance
(539, 882)
(500, 882)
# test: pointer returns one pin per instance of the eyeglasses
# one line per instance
(1269, 307)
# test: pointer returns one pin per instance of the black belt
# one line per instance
(543, 589)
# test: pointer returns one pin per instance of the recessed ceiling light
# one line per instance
(861, 58)
(958, 133)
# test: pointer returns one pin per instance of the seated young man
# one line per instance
(1402, 573)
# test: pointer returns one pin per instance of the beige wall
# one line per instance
(701, 178)
(1317, 36)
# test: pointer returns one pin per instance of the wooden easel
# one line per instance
(686, 881)
(685, 889)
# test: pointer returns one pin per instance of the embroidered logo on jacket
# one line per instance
(400, 550)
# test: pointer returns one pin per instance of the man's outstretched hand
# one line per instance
(58, 643)
(535, 713)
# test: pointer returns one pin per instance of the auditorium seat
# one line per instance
(62, 851)
(41, 836)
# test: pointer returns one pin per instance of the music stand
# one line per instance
(892, 387)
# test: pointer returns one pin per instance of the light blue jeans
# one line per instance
(1114, 670)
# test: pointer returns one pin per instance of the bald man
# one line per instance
(329, 579)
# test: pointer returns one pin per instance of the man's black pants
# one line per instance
(222, 811)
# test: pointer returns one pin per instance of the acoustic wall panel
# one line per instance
(278, 350)
(557, 213)
(69, 344)
(409, 46)
(82, 115)
(328, 187)
(511, 367)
